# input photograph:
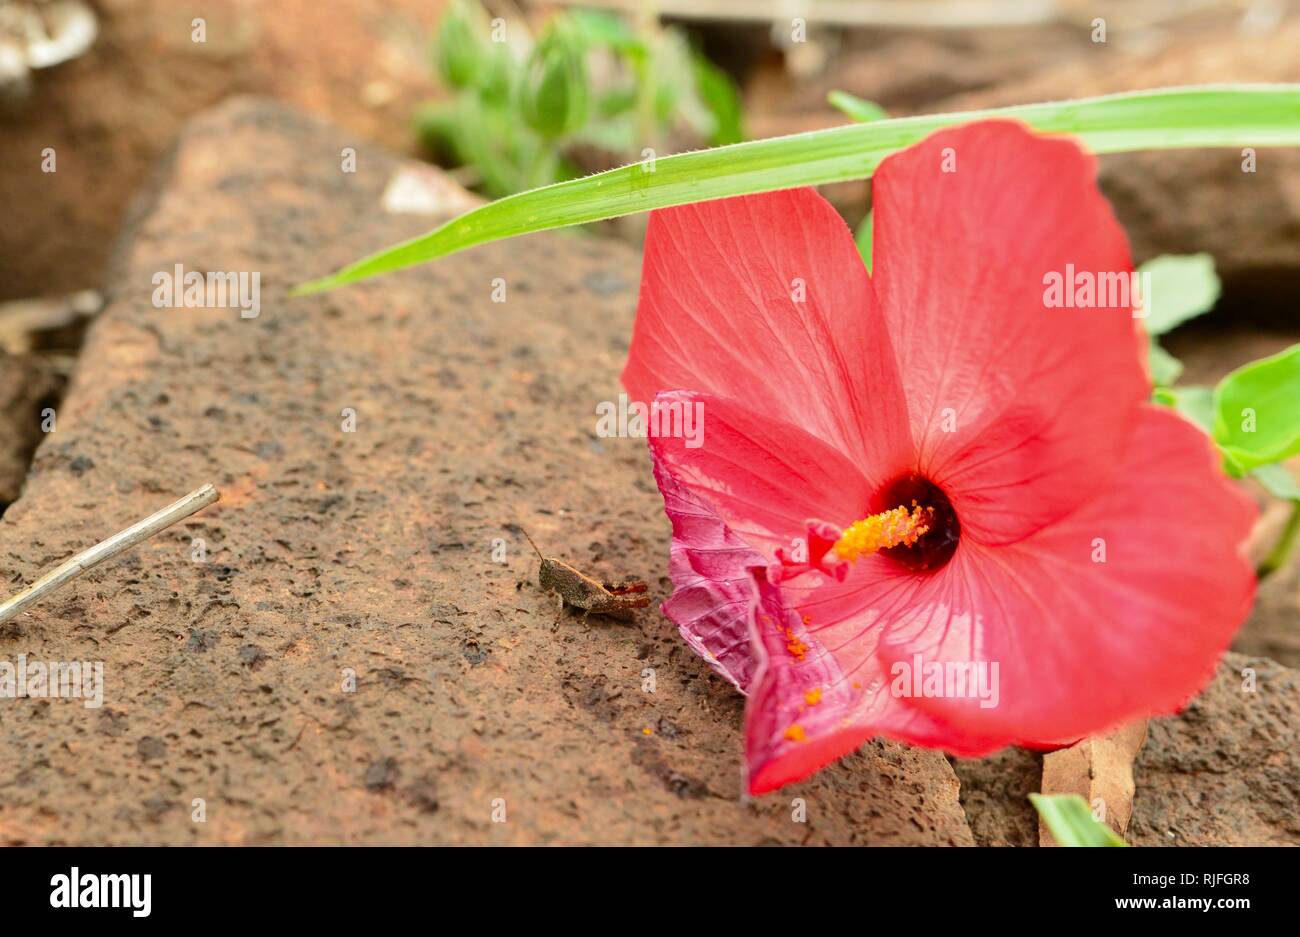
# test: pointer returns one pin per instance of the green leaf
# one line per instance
(1279, 481)
(718, 93)
(1165, 368)
(1178, 288)
(602, 28)
(1193, 401)
(1071, 822)
(465, 132)
(614, 134)
(1202, 116)
(856, 108)
(862, 237)
(498, 77)
(1256, 411)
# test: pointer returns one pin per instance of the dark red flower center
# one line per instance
(935, 548)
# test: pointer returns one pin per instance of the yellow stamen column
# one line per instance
(897, 527)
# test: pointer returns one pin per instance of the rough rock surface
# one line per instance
(372, 552)
(995, 795)
(1225, 771)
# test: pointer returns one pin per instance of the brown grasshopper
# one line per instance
(578, 590)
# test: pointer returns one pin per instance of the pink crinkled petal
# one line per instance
(752, 476)
(712, 586)
(792, 718)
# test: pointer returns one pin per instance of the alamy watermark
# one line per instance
(79, 889)
(677, 419)
(949, 679)
(233, 289)
(56, 679)
(1103, 289)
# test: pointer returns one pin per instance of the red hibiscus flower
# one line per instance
(927, 504)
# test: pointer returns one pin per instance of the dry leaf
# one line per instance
(1100, 770)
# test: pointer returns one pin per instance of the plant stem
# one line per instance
(648, 29)
(1281, 552)
(123, 540)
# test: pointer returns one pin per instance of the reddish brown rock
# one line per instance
(371, 552)
(1225, 772)
(995, 795)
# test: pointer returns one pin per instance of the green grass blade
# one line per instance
(856, 108)
(1071, 822)
(864, 237)
(1199, 116)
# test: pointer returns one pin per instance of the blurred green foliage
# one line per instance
(1253, 414)
(523, 106)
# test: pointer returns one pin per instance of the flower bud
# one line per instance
(458, 52)
(555, 98)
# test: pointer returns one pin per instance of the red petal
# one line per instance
(818, 691)
(1084, 645)
(1040, 399)
(811, 634)
(765, 479)
(837, 626)
(718, 315)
